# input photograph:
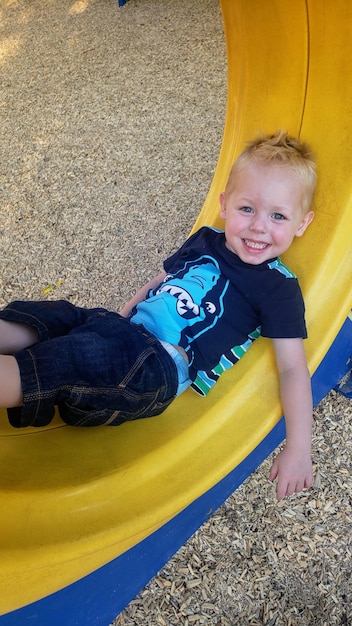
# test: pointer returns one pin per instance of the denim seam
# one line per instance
(31, 320)
(136, 365)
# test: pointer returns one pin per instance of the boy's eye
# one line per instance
(246, 209)
(278, 216)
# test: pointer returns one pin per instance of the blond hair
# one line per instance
(282, 150)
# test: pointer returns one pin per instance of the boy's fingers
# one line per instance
(285, 488)
(274, 471)
(308, 483)
(280, 491)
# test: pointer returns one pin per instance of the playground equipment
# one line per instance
(89, 516)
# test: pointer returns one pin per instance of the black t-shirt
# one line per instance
(214, 305)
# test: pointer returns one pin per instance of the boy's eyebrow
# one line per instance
(245, 199)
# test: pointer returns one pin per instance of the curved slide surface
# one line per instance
(116, 503)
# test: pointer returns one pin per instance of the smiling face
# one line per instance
(262, 206)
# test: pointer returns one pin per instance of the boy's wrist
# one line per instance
(303, 449)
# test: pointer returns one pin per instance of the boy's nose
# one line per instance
(258, 224)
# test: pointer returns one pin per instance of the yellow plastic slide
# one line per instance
(72, 499)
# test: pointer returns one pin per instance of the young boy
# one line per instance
(216, 295)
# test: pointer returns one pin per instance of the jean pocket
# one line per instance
(88, 416)
(124, 408)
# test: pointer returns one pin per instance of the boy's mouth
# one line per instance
(255, 245)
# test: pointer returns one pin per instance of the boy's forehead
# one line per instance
(251, 166)
(276, 183)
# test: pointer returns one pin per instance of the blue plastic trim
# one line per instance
(346, 386)
(335, 365)
(99, 597)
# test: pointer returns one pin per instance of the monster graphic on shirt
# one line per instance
(190, 296)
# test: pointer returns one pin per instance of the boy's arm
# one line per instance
(293, 466)
(141, 293)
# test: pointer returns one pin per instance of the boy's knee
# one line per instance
(10, 382)
(15, 336)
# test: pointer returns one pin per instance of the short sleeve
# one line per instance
(283, 311)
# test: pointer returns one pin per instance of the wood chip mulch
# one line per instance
(260, 562)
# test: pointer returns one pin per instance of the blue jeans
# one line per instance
(95, 365)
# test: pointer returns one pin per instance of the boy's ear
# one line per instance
(305, 223)
(222, 205)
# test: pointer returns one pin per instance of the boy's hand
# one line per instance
(294, 472)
